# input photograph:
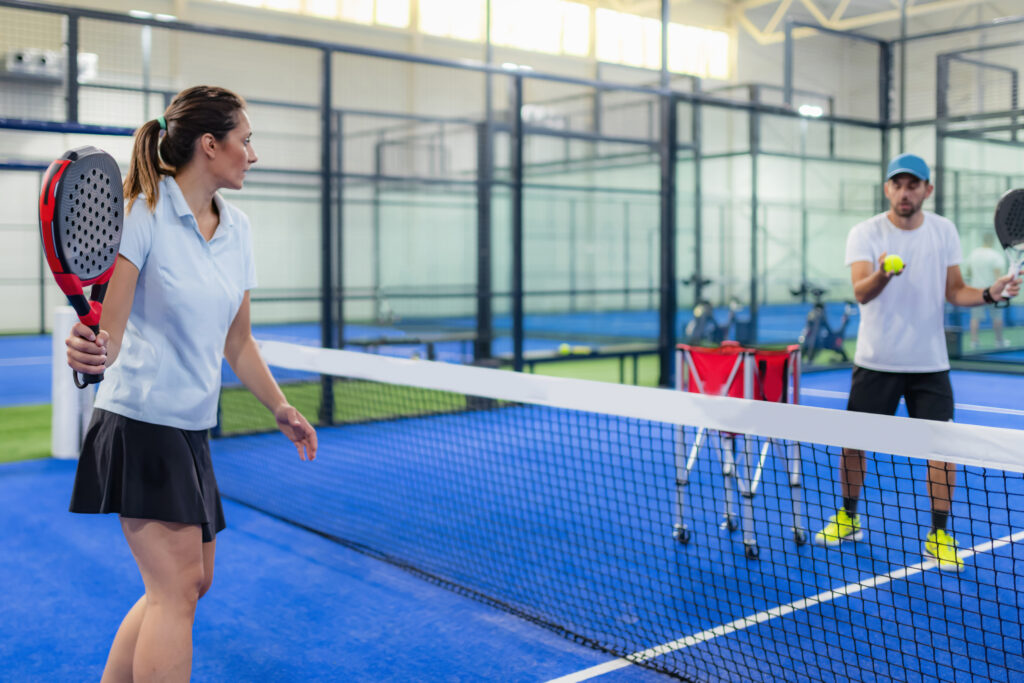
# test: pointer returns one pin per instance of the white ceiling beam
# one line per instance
(815, 11)
(771, 34)
(841, 10)
(753, 4)
(780, 12)
(743, 20)
(893, 15)
(763, 38)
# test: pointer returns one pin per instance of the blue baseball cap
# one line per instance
(908, 163)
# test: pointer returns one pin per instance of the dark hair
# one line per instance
(193, 113)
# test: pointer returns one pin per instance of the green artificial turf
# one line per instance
(24, 432)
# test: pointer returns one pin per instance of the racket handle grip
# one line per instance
(87, 379)
(1015, 271)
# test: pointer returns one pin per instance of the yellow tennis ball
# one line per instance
(564, 349)
(892, 264)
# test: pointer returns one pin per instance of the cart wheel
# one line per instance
(681, 534)
(800, 536)
(751, 552)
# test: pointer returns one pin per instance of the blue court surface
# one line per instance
(1014, 356)
(288, 604)
(25, 366)
(636, 581)
(777, 323)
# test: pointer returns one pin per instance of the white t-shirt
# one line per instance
(984, 266)
(902, 330)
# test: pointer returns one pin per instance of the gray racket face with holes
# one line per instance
(1009, 222)
(89, 213)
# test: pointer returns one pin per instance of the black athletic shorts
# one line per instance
(929, 395)
(147, 471)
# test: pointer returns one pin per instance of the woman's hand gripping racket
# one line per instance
(81, 212)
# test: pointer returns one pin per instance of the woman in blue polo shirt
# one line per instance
(177, 304)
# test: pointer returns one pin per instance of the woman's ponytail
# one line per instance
(145, 169)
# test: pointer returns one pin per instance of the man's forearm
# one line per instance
(868, 288)
(967, 297)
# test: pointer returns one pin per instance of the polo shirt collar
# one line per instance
(183, 210)
(226, 221)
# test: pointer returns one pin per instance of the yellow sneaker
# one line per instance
(841, 527)
(941, 547)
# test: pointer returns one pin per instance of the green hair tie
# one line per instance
(162, 121)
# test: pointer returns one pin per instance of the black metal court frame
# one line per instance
(672, 140)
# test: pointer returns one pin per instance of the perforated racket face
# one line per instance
(1010, 219)
(89, 214)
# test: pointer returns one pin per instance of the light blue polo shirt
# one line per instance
(169, 367)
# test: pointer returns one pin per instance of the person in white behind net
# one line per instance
(901, 343)
(984, 264)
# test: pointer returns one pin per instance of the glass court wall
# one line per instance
(433, 196)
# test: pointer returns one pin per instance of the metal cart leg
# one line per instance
(795, 486)
(728, 446)
(748, 481)
(684, 463)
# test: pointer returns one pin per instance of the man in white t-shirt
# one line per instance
(901, 346)
(985, 264)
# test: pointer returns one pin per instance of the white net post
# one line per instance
(71, 406)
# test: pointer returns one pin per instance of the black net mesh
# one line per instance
(678, 543)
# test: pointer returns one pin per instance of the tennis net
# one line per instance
(560, 501)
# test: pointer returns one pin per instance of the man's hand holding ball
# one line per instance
(892, 264)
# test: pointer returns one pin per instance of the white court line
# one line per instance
(969, 407)
(28, 360)
(776, 612)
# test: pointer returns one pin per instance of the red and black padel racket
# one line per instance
(81, 213)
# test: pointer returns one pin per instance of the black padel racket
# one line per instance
(81, 211)
(1010, 229)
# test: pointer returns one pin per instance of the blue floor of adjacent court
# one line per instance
(25, 361)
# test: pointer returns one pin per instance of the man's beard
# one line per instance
(905, 211)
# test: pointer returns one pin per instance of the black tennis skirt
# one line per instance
(147, 471)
